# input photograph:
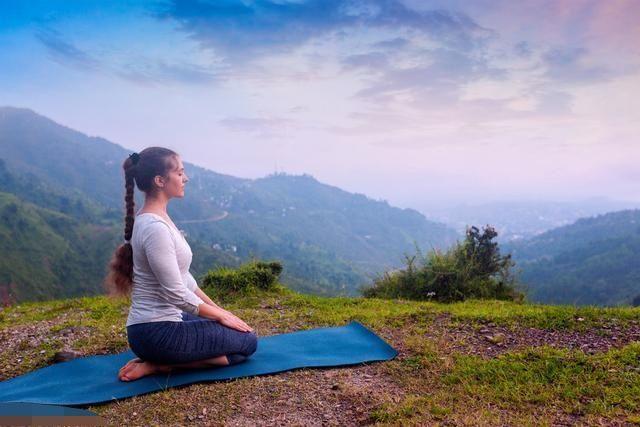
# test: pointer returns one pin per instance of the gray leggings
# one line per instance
(195, 338)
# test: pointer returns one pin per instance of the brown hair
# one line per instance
(152, 161)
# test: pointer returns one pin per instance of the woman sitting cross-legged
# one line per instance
(172, 323)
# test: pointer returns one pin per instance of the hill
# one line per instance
(516, 220)
(593, 261)
(47, 254)
(329, 240)
(471, 363)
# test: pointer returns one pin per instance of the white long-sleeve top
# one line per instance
(162, 285)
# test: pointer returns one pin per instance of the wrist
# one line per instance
(209, 311)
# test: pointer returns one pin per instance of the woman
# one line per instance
(172, 323)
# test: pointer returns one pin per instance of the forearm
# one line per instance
(210, 311)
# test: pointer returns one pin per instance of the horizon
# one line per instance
(542, 94)
(438, 207)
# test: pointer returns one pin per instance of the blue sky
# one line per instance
(409, 101)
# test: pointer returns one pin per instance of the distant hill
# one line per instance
(330, 241)
(516, 220)
(593, 261)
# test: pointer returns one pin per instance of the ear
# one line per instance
(159, 181)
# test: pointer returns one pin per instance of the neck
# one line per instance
(156, 204)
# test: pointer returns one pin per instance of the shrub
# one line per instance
(471, 269)
(245, 279)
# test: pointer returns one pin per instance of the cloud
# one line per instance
(566, 64)
(372, 61)
(392, 44)
(262, 27)
(554, 102)
(390, 47)
(139, 70)
(147, 72)
(523, 49)
(267, 127)
(439, 80)
(64, 52)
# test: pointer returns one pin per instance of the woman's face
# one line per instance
(175, 182)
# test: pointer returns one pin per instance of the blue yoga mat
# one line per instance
(94, 379)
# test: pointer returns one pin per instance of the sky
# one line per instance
(409, 101)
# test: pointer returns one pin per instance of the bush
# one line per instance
(471, 269)
(251, 276)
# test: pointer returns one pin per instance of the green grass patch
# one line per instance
(538, 315)
(106, 317)
(102, 311)
(319, 310)
(601, 384)
(412, 407)
(29, 312)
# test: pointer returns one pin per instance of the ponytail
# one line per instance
(120, 276)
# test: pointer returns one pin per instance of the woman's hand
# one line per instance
(231, 320)
(223, 317)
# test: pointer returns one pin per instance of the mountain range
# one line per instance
(62, 212)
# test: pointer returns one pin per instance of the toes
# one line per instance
(125, 377)
(124, 371)
(137, 370)
(132, 361)
(126, 368)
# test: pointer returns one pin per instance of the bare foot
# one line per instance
(221, 360)
(128, 366)
(142, 369)
(137, 368)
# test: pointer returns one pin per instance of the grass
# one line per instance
(534, 386)
(539, 315)
(602, 384)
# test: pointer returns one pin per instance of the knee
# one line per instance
(251, 343)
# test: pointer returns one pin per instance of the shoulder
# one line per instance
(155, 229)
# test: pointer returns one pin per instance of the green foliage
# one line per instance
(67, 201)
(225, 282)
(471, 269)
(38, 263)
